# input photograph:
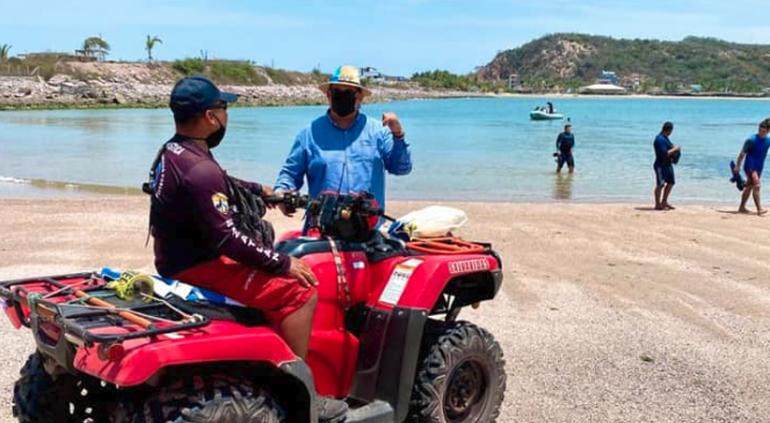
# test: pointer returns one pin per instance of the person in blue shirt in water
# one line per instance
(665, 151)
(345, 150)
(754, 151)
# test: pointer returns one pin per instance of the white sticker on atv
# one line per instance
(398, 280)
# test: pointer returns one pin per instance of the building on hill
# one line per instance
(372, 74)
(603, 89)
(608, 77)
(513, 81)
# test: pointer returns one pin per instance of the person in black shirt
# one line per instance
(198, 238)
(565, 142)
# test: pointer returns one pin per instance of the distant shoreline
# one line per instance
(637, 96)
(63, 92)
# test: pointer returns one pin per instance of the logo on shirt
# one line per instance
(221, 203)
(175, 148)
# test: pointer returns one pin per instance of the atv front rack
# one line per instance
(61, 307)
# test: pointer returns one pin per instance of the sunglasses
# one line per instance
(221, 105)
(335, 90)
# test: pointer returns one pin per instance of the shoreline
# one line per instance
(63, 92)
(13, 188)
(38, 189)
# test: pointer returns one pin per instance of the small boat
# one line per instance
(544, 115)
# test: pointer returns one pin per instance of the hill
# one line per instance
(560, 61)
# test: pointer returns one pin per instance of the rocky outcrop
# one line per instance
(65, 91)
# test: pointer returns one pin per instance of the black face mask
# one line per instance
(343, 102)
(215, 137)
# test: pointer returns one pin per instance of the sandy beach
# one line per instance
(608, 313)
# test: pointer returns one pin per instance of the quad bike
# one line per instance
(385, 338)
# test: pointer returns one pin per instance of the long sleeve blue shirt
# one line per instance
(351, 160)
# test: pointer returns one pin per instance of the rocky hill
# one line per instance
(561, 61)
(67, 84)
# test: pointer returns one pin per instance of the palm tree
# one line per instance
(149, 44)
(96, 46)
(4, 49)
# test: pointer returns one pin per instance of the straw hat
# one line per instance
(346, 75)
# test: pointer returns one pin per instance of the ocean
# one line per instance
(477, 149)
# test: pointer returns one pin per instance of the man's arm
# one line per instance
(395, 154)
(208, 190)
(393, 147)
(255, 187)
(291, 176)
(674, 148)
(558, 142)
(742, 155)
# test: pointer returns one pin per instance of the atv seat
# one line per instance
(192, 300)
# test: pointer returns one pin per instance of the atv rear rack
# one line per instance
(49, 305)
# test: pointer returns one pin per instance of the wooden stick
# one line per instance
(131, 317)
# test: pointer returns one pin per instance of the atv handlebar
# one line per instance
(290, 200)
(293, 201)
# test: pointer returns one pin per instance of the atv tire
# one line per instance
(38, 397)
(461, 376)
(203, 399)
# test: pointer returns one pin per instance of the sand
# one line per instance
(608, 313)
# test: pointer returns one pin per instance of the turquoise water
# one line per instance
(463, 149)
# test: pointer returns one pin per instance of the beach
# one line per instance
(608, 312)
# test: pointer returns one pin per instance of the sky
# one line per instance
(399, 37)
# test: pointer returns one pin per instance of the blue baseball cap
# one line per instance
(196, 94)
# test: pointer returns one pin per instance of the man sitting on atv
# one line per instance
(196, 230)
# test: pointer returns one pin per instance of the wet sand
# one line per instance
(608, 313)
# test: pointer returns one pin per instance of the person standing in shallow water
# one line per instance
(565, 142)
(754, 152)
(665, 154)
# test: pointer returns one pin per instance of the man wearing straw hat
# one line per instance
(344, 150)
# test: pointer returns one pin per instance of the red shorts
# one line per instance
(276, 296)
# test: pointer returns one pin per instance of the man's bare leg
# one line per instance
(757, 202)
(296, 327)
(664, 202)
(658, 206)
(745, 198)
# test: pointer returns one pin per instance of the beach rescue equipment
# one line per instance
(131, 285)
(445, 245)
(429, 222)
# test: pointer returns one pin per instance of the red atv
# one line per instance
(385, 338)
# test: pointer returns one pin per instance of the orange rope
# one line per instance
(446, 245)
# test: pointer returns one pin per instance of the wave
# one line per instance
(12, 180)
(71, 186)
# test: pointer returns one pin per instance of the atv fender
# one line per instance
(135, 361)
(418, 282)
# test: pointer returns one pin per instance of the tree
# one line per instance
(149, 44)
(96, 47)
(4, 49)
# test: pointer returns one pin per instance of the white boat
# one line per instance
(544, 115)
